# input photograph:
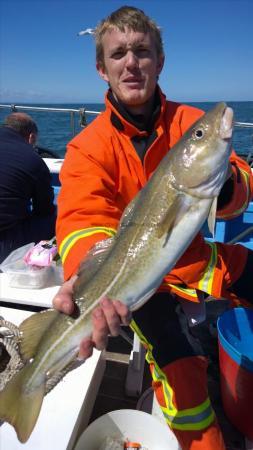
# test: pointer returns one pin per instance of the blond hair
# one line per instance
(127, 17)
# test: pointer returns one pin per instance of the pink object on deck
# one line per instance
(41, 255)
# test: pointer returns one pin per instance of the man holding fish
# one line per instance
(137, 186)
(105, 167)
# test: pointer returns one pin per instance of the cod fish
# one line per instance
(155, 230)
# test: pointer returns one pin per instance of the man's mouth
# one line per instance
(132, 80)
(133, 83)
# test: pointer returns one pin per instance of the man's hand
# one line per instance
(106, 318)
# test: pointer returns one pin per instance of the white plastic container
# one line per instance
(21, 275)
(131, 424)
(28, 277)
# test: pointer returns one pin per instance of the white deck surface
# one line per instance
(35, 297)
(67, 408)
(54, 164)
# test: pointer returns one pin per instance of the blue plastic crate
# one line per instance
(56, 193)
(227, 230)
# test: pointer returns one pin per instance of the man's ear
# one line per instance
(160, 64)
(32, 138)
(102, 71)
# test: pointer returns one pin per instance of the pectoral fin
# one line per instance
(212, 217)
(168, 220)
(172, 216)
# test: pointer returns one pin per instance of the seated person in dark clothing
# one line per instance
(27, 210)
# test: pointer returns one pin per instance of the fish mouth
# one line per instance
(226, 126)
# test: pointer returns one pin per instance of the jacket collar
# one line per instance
(10, 133)
(122, 120)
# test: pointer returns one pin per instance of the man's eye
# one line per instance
(141, 52)
(117, 55)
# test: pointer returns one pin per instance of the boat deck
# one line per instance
(111, 395)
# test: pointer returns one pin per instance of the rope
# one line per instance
(11, 361)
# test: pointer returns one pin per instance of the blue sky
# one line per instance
(208, 46)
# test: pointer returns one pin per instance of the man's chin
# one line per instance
(133, 98)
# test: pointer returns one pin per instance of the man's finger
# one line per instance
(123, 312)
(100, 329)
(86, 349)
(111, 315)
(63, 299)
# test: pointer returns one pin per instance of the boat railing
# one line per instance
(82, 112)
(249, 157)
(243, 124)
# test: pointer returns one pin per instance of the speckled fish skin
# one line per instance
(155, 230)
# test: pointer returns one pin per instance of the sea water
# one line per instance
(56, 130)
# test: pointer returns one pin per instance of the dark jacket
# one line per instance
(25, 181)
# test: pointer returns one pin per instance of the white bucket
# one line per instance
(137, 426)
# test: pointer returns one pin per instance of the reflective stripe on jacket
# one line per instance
(194, 418)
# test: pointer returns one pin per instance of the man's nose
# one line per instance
(131, 59)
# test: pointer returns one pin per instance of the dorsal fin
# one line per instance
(92, 262)
(32, 329)
(95, 257)
(97, 254)
(128, 212)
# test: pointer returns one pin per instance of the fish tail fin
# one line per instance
(20, 406)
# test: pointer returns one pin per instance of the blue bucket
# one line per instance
(235, 335)
(235, 331)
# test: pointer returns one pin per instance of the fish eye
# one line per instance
(198, 133)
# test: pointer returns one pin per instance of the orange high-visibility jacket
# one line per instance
(101, 174)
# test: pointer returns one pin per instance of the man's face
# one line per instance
(131, 66)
